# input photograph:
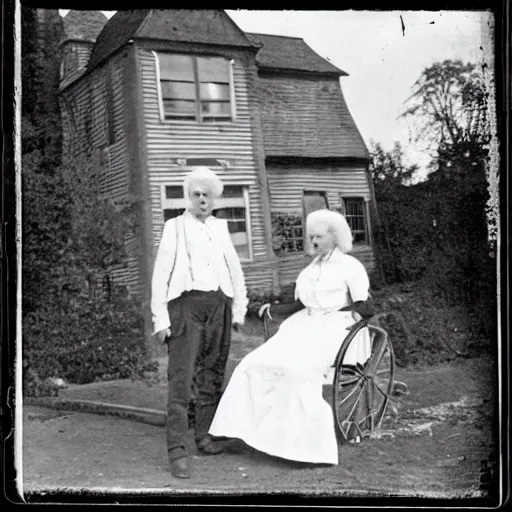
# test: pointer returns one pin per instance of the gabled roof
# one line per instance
(307, 118)
(290, 53)
(84, 25)
(206, 26)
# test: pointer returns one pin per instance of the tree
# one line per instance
(387, 168)
(389, 175)
(449, 105)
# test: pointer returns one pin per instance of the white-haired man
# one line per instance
(198, 293)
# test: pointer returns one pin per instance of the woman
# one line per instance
(274, 400)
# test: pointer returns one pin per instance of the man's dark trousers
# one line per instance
(199, 343)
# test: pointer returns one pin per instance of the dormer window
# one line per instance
(194, 88)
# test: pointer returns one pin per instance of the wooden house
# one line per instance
(159, 91)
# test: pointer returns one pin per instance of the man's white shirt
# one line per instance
(205, 260)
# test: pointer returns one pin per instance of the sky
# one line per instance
(382, 62)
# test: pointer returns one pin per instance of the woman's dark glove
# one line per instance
(364, 307)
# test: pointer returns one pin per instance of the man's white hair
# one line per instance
(336, 225)
(204, 176)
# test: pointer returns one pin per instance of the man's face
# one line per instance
(201, 201)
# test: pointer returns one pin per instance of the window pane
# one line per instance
(233, 213)
(359, 237)
(180, 107)
(176, 67)
(171, 213)
(241, 243)
(174, 192)
(354, 206)
(178, 90)
(235, 226)
(216, 108)
(355, 215)
(243, 251)
(213, 69)
(356, 223)
(212, 91)
(233, 191)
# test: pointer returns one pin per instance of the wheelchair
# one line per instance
(360, 394)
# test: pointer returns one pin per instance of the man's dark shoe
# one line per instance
(210, 446)
(180, 467)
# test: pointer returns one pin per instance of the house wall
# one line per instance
(96, 136)
(287, 185)
(237, 142)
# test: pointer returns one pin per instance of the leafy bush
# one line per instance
(82, 340)
(72, 237)
(287, 233)
(259, 297)
(72, 240)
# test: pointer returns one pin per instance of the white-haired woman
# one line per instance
(274, 400)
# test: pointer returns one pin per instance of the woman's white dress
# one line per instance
(274, 399)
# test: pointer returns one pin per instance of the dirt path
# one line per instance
(435, 447)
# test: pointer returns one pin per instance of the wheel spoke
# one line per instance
(379, 388)
(352, 380)
(354, 389)
(383, 371)
(356, 402)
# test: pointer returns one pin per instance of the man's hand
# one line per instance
(162, 335)
(237, 327)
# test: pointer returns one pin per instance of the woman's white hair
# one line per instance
(337, 226)
(204, 176)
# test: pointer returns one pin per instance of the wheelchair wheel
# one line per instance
(361, 393)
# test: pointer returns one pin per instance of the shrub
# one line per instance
(258, 297)
(83, 340)
(71, 242)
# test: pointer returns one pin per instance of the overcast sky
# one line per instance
(381, 61)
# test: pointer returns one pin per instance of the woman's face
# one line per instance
(321, 239)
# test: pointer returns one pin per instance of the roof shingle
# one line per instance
(85, 25)
(206, 26)
(307, 118)
(290, 53)
(118, 30)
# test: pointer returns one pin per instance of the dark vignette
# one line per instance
(8, 276)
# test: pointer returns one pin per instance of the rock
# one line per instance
(400, 389)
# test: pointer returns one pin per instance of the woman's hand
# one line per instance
(265, 309)
(162, 335)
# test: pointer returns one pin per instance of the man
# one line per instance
(198, 293)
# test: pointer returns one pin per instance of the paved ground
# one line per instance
(435, 446)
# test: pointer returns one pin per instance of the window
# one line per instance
(355, 213)
(287, 233)
(232, 206)
(288, 229)
(195, 88)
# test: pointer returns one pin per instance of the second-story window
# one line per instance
(195, 88)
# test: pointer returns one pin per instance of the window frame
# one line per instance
(366, 217)
(199, 118)
(221, 202)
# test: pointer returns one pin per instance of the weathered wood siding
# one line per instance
(287, 185)
(234, 142)
(92, 134)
